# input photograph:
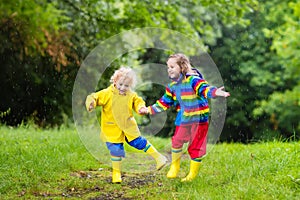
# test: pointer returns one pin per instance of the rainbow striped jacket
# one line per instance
(190, 97)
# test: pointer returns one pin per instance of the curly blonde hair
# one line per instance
(183, 62)
(125, 73)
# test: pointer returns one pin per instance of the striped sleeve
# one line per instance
(202, 88)
(165, 102)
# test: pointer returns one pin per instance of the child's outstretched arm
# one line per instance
(97, 99)
(164, 103)
(139, 105)
(201, 87)
(221, 93)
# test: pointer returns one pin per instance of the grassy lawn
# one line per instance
(54, 164)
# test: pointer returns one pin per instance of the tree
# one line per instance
(254, 70)
(283, 106)
(44, 42)
(34, 54)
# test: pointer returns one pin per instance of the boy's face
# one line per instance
(174, 69)
(123, 85)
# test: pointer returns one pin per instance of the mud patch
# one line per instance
(111, 196)
(97, 185)
(138, 180)
(129, 181)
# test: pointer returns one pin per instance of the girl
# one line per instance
(189, 93)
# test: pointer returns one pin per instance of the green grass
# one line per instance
(54, 164)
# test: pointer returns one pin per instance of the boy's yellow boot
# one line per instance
(175, 165)
(160, 159)
(116, 169)
(194, 169)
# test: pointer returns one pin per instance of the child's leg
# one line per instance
(161, 160)
(196, 149)
(178, 140)
(116, 152)
(175, 165)
(142, 144)
(116, 166)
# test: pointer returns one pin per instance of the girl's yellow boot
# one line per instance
(194, 169)
(175, 165)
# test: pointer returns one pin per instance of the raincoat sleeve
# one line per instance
(99, 99)
(165, 102)
(138, 103)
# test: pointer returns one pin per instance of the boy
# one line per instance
(118, 102)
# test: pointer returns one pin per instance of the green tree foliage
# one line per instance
(44, 42)
(283, 106)
(34, 54)
(94, 20)
(264, 93)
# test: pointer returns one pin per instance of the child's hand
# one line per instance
(90, 103)
(92, 106)
(221, 93)
(143, 110)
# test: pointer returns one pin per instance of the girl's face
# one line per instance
(174, 69)
(123, 85)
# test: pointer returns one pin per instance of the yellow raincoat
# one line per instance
(117, 119)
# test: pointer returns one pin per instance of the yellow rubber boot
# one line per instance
(194, 169)
(160, 159)
(116, 169)
(175, 165)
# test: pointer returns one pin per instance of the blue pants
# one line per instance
(117, 149)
